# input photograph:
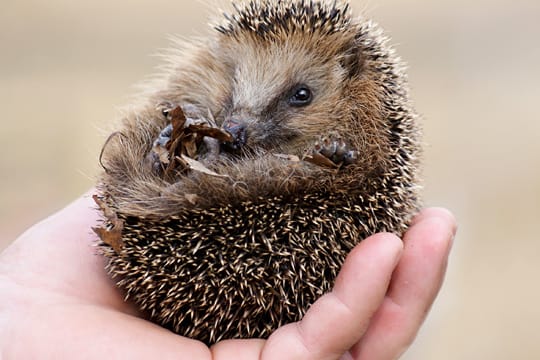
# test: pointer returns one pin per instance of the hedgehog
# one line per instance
(319, 149)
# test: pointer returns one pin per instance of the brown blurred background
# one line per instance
(475, 72)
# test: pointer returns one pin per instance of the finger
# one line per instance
(438, 212)
(338, 319)
(414, 286)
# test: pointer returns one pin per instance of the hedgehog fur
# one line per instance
(262, 242)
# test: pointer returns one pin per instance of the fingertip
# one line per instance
(434, 235)
(443, 214)
(387, 237)
(378, 255)
(427, 246)
(386, 242)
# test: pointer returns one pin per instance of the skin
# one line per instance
(58, 303)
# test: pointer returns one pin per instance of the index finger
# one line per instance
(414, 286)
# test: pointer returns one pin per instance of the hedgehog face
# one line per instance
(280, 74)
(280, 92)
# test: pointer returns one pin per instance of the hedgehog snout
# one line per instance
(238, 129)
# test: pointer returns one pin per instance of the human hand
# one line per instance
(58, 303)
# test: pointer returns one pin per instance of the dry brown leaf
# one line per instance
(109, 213)
(112, 236)
(321, 160)
(190, 146)
(204, 130)
(186, 137)
(162, 154)
(198, 166)
(289, 157)
(178, 120)
(177, 163)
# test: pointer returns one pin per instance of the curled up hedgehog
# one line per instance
(237, 185)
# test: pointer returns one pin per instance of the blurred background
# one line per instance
(66, 66)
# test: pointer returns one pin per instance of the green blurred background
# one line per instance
(66, 66)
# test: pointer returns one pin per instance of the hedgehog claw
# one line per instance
(350, 157)
(158, 157)
(164, 136)
(334, 148)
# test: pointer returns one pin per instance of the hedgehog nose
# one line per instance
(238, 131)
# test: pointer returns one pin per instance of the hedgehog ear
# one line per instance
(353, 60)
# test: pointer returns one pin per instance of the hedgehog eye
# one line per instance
(301, 97)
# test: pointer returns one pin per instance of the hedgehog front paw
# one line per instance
(188, 139)
(332, 151)
(158, 157)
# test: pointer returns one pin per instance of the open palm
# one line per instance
(58, 303)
